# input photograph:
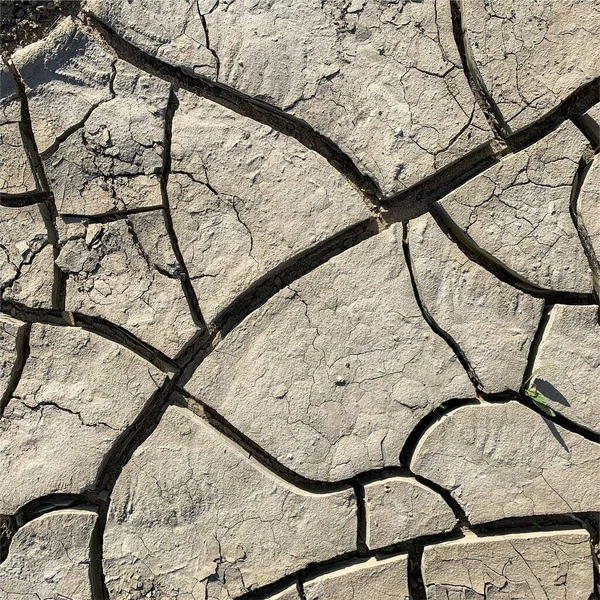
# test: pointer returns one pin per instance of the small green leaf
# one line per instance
(541, 404)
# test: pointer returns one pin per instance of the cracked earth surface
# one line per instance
(300, 300)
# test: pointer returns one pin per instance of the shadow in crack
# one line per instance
(546, 388)
(556, 434)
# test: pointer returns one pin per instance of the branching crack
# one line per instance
(435, 327)
(186, 283)
(582, 231)
(496, 267)
(482, 96)
(47, 209)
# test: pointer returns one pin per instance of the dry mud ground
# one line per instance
(299, 300)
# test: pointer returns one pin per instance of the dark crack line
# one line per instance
(25, 199)
(96, 325)
(523, 399)
(186, 284)
(572, 107)
(207, 42)
(585, 165)
(482, 95)
(415, 199)
(48, 152)
(434, 326)
(357, 482)
(414, 549)
(416, 583)
(428, 421)
(10, 524)
(22, 351)
(109, 216)
(47, 209)
(496, 267)
(238, 102)
(418, 199)
(129, 441)
(289, 271)
(588, 126)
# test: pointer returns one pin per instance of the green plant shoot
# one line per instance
(531, 391)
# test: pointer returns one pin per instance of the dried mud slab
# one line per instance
(12, 334)
(382, 80)
(493, 323)
(504, 460)
(15, 172)
(76, 395)
(193, 516)
(359, 369)
(99, 123)
(245, 199)
(400, 508)
(26, 257)
(376, 579)
(531, 55)
(518, 211)
(49, 557)
(567, 364)
(125, 271)
(588, 214)
(555, 565)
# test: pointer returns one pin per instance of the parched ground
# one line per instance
(299, 300)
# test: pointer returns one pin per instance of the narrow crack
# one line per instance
(47, 209)
(25, 199)
(186, 284)
(48, 152)
(41, 405)
(22, 351)
(110, 216)
(496, 267)
(588, 126)
(96, 325)
(27, 261)
(435, 327)
(207, 42)
(482, 95)
(236, 101)
(585, 165)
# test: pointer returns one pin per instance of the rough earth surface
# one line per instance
(299, 300)
(553, 565)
